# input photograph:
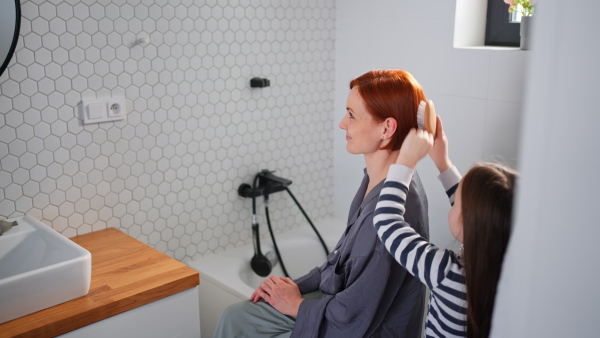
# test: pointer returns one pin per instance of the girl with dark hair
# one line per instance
(463, 286)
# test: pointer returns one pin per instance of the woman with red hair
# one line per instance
(362, 291)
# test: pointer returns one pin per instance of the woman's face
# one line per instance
(363, 133)
(455, 216)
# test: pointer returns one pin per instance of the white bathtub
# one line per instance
(227, 278)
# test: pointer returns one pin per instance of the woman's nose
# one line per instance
(343, 123)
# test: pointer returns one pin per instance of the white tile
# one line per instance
(17, 73)
(81, 11)
(47, 10)
(97, 11)
(17, 148)
(21, 103)
(10, 88)
(85, 52)
(54, 170)
(40, 26)
(64, 11)
(46, 86)
(47, 185)
(58, 128)
(20, 176)
(39, 101)
(40, 201)
(35, 71)
(50, 41)
(70, 168)
(31, 189)
(57, 197)
(56, 100)
(27, 161)
(24, 56)
(61, 155)
(13, 119)
(75, 27)
(37, 173)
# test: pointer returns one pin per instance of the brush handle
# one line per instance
(430, 118)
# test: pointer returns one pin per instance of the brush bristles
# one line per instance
(421, 114)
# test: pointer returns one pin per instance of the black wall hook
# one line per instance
(259, 82)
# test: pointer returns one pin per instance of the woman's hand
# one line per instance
(415, 146)
(439, 151)
(281, 293)
(255, 297)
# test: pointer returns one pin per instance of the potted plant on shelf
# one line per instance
(525, 9)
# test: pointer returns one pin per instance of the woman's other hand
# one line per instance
(439, 151)
(415, 146)
(281, 293)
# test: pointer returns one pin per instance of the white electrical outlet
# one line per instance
(116, 107)
(102, 110)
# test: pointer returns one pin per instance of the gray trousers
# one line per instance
(247, 319)
(257, 320)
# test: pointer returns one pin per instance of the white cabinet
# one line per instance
(176, 316)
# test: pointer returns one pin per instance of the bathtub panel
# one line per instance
(226, 277)
(213, 301)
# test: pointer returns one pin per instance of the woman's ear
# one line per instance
(390, 125)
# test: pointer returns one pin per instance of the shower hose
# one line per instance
(273, 236)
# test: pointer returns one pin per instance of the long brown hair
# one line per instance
(487, 200)
(391, 93)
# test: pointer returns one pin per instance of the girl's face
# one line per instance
(455, 215)
(363, 133)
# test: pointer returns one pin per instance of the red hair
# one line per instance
(391, 93)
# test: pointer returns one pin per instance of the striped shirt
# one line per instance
(439, 269)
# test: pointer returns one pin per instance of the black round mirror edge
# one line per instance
(15, 39)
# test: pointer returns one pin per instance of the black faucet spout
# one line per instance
(272, 183)
(6, 225)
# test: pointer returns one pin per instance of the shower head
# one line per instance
(264, 184)
(260, 264)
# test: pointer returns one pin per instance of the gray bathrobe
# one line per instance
(367, 293)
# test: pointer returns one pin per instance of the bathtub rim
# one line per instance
(330, 228)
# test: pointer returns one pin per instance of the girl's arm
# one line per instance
(439, 150)
(449, 175)
(450, 179)
(419, 257)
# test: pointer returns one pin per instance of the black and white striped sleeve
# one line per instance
(419, 257)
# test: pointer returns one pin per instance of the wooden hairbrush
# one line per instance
(426, 117)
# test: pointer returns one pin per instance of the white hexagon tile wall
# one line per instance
(195, 130)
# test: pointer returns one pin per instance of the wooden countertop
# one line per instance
(126, 274)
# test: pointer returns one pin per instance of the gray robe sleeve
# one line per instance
(309, 282)
(349, 312)
(366, 292)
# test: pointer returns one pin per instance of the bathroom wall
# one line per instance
(195, 130)
(477, 91)
(549, 283)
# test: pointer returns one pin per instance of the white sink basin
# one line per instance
(39, 268)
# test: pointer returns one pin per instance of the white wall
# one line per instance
(195, 131)
(477, 92)
(549, 284)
